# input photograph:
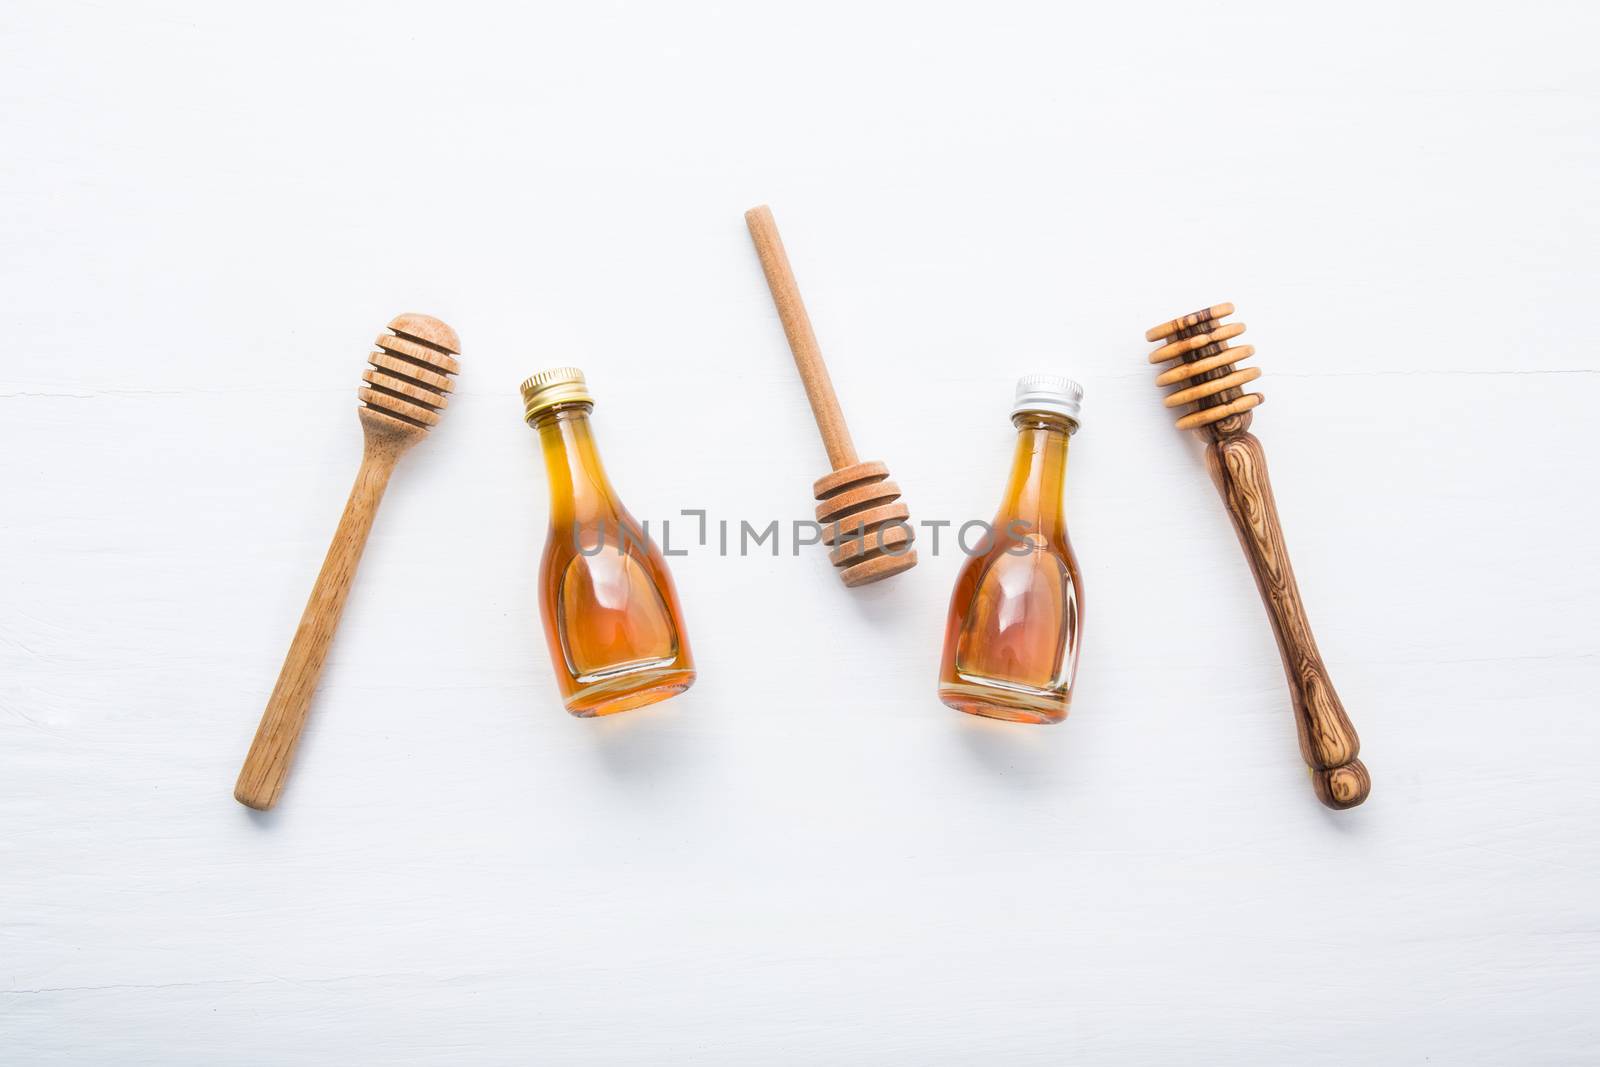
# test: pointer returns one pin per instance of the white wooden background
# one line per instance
(206, 213)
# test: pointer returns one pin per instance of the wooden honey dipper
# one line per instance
(1209, 381)
(864, 522)
(404, 392)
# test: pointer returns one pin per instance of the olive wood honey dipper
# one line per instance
(864, 522)
(404, 393)
(1208, 380)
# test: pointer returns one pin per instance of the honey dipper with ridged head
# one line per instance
(865, 524)
(1212, 387)
(405, 390)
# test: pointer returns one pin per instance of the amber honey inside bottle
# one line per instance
(610, 611)
(1016, 616)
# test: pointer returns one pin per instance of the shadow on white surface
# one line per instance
(1017, 754)
(262, 820)
(645, 746)
(1350, 823)
(881, 603)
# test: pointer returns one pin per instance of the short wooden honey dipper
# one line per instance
(1212, 388)
(865, 524)
(406, 386)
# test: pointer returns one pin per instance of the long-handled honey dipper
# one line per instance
(1209, 381)
(403, 395)
(864, 522)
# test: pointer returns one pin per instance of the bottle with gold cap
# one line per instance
(610, 611)
(1016, 616)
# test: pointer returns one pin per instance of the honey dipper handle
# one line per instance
(1328, 741)
(802, 341)
(266, 768)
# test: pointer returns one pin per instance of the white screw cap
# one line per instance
(1049, 393)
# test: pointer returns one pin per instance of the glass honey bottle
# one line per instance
(1016, 616)
(610, 611)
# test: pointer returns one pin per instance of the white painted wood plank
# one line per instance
(806, 858)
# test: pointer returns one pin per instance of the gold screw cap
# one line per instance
(558, 385)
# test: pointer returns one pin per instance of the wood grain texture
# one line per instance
(857, 504)
(1328, 741)
(805, 859)
(1198, 346)
(405, 389)
(802, 338)
(1200, 343)
(266, 767)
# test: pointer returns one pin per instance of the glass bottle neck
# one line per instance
(579, 488)
(1038, 471)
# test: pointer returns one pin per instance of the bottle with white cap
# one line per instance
(1016, 616)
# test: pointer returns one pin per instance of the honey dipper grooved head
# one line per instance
(409, 375)
(1204, 371)
(864, 523)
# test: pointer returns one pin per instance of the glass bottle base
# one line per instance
(1010, 705)
(628, 692)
